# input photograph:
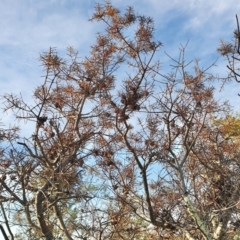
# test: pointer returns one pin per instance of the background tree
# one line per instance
(121, 157)
(231, 50)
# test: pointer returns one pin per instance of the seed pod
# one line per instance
(41, 120)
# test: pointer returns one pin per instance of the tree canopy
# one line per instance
(118, 149)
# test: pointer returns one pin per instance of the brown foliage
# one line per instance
(137, 157)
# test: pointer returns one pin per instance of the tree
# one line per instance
(231, 51)
(115, 157)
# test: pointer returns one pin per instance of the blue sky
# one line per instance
(30, 27)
